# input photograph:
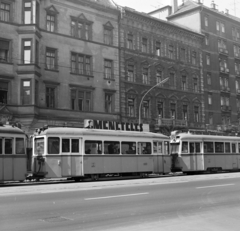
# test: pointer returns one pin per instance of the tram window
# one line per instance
(166, 147)
(93, 147)
(128, 147)
(144, 148)
(8, 146)
(238, 147)
(219, 147)
(192, 147)
(208, 147)
(1, 146)
(157, 147)
(75, 145)
(20, 146)
(197, 147)
(53, 145)
(184, 147)
(65, 145)
(233, 148)
(111, 147)
(227, 147)
(39, 146)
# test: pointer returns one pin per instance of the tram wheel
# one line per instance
(95, 177)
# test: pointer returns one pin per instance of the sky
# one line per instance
(150, 5)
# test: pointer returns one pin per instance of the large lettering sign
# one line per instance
(112, 125)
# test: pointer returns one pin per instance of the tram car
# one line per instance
(77, 153)
(198, 151)
(13, 156)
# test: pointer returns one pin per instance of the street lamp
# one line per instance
(161, 82)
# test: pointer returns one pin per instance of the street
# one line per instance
(198, 202)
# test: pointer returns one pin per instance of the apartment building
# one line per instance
(59, 62)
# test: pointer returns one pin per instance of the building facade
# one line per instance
(152, 50)
(59, 62)
(221, 61)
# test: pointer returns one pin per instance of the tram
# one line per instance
(77, 153)
(13, 157)
(198, 151)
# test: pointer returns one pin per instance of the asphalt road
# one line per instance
(189, 203)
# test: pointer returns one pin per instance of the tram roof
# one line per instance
(189, 136)
(10, 129)
(99, 132)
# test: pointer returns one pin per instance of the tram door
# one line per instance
(71, 157)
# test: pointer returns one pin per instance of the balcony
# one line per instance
(223, 51)
(237, 72)
(238, 91)
(237, 55)
(224, 70)
(225, 89)
(225, 108)
(171, 122)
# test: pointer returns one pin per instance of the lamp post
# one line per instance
(161, 82)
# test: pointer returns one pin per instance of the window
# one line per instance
(173, 110)
(129, 41)
(217, 26)
(196, 114)
(209, 99)
(219, 147)
(108, 69)
(145, 75)
(3, 92)
(4, 50)
(160, 108)
(183, 54)
(223, 27)
(111, 147)
(53, 145)
(206, 40)
(131, 107)
(8, 144)
(50, 97)
(195, 85)
(81, 99)
(66, 145)
(210, 119)
(37, 52)
(144, 44)
(184, 83)
(206, 21)
(81, 64)
(144, 148)
(51, 22)
(130, 73)
(208, 147)
(170, 51)
(5, 12)
(208, 59)
(128, 147)
(158, 49)
(31, 12)
(146, 109)
(159, 76)
(20, 148)
(75, 145)
(185, 112)
(194, 58)
(51, 58)
(109, 103)
(184, 147)
(108, 36)
(209, 79)
(27, 51)
(172, 80)
(81, 28)
(26, 92)
(93, 147)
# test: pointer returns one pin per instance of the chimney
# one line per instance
(174, 6)
(199, 2)
(227, 12)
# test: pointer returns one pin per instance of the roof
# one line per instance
(191, 5)
(8, 129)
(83, 131)
(107, 3)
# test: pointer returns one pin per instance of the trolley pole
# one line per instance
(161, 82)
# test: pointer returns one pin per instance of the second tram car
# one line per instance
(195, 152)
(13, 157)
(77, 153)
